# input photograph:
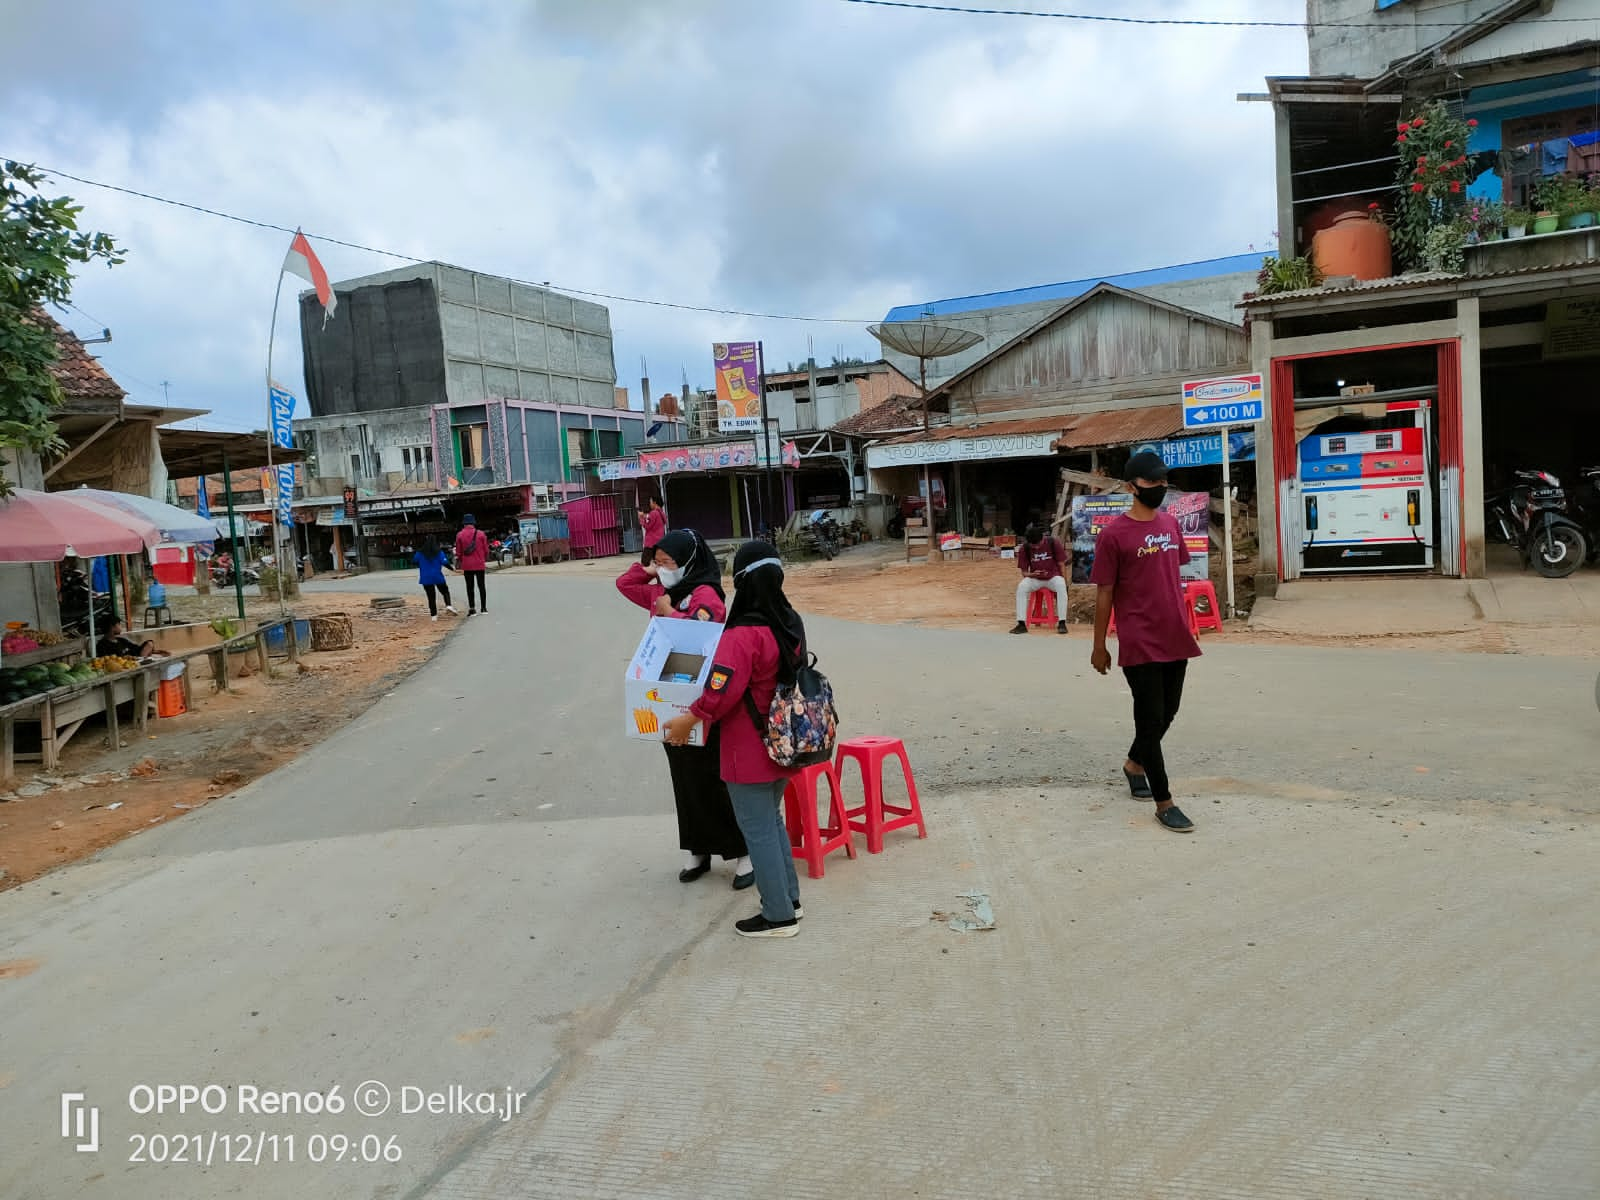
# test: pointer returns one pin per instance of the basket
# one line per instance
(332, 631)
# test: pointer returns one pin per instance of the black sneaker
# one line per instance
(799, 912)
(1020, 627)
(1061, 626)
(1174, 820)
(759, 927)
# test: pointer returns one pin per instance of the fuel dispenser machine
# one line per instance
(1368, 495)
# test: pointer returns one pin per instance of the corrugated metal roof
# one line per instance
(947, 433)
(1122, 427)
(1179, 273)
(1423, 279)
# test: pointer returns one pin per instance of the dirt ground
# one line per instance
(874, 584)
(98, 796)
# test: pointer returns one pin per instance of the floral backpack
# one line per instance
(802, 723)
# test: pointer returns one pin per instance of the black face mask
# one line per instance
(1151, 497)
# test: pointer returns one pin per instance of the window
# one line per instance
(1538, 148)
(472, 444)
(418, 462)
(355, 466)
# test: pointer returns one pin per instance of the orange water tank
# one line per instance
(1356, 245)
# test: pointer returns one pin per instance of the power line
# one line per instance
(1189, 22)
(546, 284)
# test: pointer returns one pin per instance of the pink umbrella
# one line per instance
(47, 527)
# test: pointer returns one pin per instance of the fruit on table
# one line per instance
(17, 643)
(109, 664)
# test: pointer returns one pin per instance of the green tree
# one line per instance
(39, 244)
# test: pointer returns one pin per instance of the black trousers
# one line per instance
(483, 599)
(1157, 691)
(706, 824)
(433, 605)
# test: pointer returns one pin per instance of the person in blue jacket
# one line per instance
(431, 565)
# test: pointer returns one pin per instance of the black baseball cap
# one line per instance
(1146, 464)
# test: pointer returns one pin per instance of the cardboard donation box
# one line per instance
(667, 674)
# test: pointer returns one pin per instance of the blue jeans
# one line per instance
(758, 807)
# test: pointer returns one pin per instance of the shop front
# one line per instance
(993, 478)
(391, 527)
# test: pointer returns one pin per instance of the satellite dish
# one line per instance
(924, 339)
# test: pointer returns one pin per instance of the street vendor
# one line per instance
(653, 526)
(1043, 561)
(114, 644)
(683, 579)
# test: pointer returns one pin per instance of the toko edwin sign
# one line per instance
(1234, 400)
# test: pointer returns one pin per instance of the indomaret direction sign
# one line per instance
(1008, 445)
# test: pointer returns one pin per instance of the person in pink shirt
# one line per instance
(764, 644)
(653, 521)
(1136, 565)
(684, 581)
(472, 557)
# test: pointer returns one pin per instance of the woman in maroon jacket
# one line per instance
(685, 581)
(764, 644)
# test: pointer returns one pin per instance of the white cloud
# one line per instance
(799, 157)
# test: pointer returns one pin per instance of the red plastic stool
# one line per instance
(810, 840)
(875, 818)
(1196, 591)
(1041, 609)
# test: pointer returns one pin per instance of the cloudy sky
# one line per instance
(804, 157)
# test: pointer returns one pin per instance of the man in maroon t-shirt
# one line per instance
(1136, 565)
(1041, 558)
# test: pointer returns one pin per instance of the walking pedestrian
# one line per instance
(684, 581)
(1042, 559)
(1136, 566)
(431, 563)
(764, 644)
(653, 525)
(472, 556)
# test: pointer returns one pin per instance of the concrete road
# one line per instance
(1370, 972)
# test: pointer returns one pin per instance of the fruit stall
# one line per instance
(58, 698)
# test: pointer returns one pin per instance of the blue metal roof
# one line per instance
(1077, 287)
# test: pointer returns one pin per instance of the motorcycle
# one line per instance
(1586, 509)
(822, 534)
(76, 598)
(1533, 516)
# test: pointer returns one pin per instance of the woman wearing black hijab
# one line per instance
(764, 644)
(684, 580)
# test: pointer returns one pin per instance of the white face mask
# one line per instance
(669, 577)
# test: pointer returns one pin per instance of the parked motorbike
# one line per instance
(1533, 516)
(822, 534)
(75, 601)
(1586, 509)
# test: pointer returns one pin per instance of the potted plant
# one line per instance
(1547, 199)
(1485, 221)
(1280, 274)
(1517, 222)
(1442, 248)
(1431, 178)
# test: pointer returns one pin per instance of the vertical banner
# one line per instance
(738, 376)
(202, 502)
(283, 435)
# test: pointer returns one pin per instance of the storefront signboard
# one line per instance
(1204, 450)
(1192, 511)
(737, 366)
(622, 468)
(1572, 328)
(967, 449)
(398, 504)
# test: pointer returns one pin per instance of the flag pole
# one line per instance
(277, 557)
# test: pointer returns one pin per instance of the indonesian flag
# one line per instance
(302, 260)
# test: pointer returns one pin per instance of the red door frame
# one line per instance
(1452, 450)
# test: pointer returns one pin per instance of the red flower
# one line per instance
(1402, 127)
(1373, 207)
(1472, 124)
(1447, 145)
(1422, 158)
(1456, 186)
(1418, 123)
(1416, 187)
(1401, 138)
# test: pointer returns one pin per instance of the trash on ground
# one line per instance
(978, 917)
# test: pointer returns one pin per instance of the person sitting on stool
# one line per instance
(113, 643)
(1043, 561)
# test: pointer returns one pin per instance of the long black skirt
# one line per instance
(705, 814)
